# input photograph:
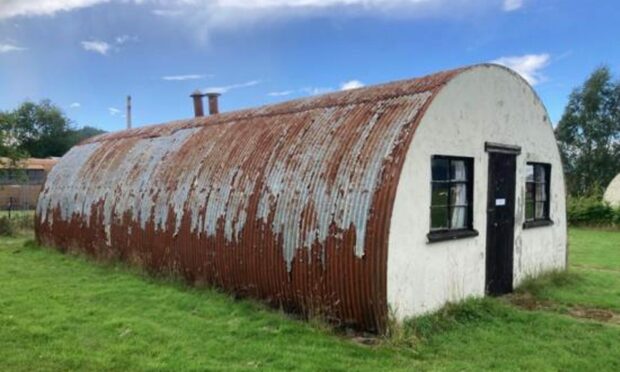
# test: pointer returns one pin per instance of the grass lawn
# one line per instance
(17, 214)
(595, 272)
(63, 312)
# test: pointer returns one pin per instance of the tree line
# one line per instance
(39, 130)
(588, 135)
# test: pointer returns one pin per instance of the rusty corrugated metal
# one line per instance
(290, 203)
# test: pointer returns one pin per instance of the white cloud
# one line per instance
(270, 4)
(203, 17)
(313, 91)
(529, 66)
(114, 111)
(351, 84)
(75, 105)
(96, 46)
(512, 5)
(280, 93)
(231, 13)
(167, 12)
(14, 8)
(184, 77)
(7, 48)
(226, 88)
(123, 39)
(104, 47)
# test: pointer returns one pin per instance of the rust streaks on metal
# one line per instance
(289, 203)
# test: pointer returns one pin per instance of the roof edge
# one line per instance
(427, 83)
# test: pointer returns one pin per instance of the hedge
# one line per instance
(591, 211)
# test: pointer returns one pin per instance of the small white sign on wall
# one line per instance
(500, 202)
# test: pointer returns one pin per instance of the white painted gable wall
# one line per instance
(485, 103)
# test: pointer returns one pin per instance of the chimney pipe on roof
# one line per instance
(128, 112)
(213, 104)
(198, 107)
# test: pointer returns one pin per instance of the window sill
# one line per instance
(441, 236)
(537, 223)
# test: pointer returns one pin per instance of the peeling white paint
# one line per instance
(146, 179)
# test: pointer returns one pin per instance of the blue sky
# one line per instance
(87, 55)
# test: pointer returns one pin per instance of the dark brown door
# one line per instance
(500, 223)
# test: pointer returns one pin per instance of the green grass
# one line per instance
(593, 249)
(490, 335)
(593, 279)
(63, 312)
(21, 214)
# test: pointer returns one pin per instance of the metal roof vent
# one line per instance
(213, 103)
(198, 106)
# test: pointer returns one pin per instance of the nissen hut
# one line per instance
(402, 196)
(612, 193)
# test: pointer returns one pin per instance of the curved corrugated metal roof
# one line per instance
(289, 202)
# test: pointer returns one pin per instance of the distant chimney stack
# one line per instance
(213, 104)
(198, 106)
(128, 112)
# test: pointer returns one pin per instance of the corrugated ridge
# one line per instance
(351, 97)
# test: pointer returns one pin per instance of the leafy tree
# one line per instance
(589, 134)
(42, 129)
(9, 147)
(39, 130)
(85, 132)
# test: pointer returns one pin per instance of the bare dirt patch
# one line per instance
(528, 302)
(600, 315)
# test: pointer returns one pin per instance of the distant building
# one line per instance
(21, 183)
(612, 194)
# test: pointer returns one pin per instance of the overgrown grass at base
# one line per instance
(63, 312)
(16, 222)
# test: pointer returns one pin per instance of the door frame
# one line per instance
(510, 150)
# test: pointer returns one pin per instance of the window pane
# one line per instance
(540, 210)
(450, 189)
(541, 192)
(439, 218)
(4, 176)
(529, 173)
(440, 170)
(529, 210)
(529, 191)
(540, 173)
(458, 170)
(35, 176)
(439, 194)
(458, 217)
(458, 194)
(13, 176)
